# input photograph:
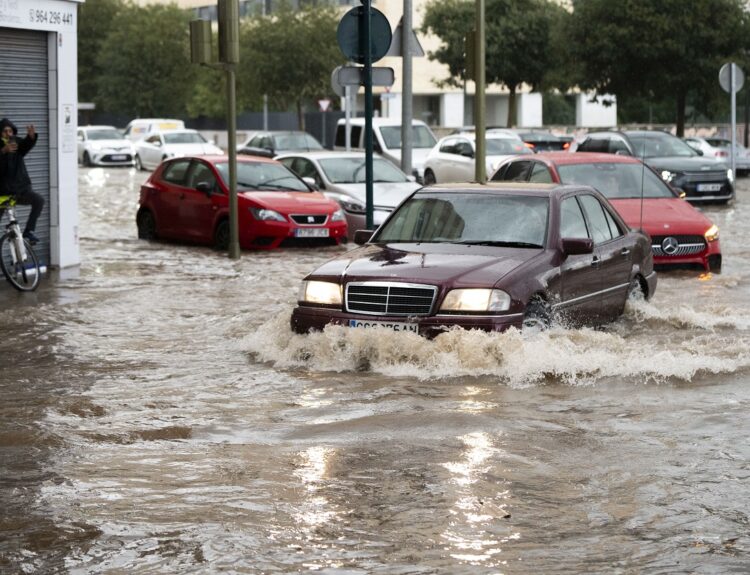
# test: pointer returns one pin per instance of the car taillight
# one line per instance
(529, 145)
(722, 154)
(566, 145)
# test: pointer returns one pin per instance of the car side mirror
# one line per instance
(204, 187)
(577, 246)
(361, 237)
(622, 153)
(699, 152)
(311, 182)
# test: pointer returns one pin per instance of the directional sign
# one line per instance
(355, 76)
(350, 34)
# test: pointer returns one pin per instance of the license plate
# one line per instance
(394, 325)
(709, 187)
(311, 232)
(119, 157)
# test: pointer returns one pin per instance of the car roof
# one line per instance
(102, 127)
(522, 188)
(177, 131)
(583, 158)
(489, 135)
(322, 154)
(381, 122)
(219, 158)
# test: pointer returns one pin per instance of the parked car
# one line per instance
(143, 127)
(187, 199)
(720, 149)
(160, 146)
(486, 257)
(452, 159)
(680, 234)
(702, 180)
(386, 140)
(104, 146)
(538, 140)
(271, 144)
(341, 177)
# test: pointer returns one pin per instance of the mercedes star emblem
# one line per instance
(670, 245)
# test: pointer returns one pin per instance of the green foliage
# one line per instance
(95, 20)
(145, 62)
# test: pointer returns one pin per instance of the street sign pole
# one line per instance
(731, 79)
(734, 118)
(368, 112)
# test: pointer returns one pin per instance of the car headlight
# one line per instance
(350, 204)
(267, 215)
(712, 234)
(476, 300)
(730, 176)
(325, 293)
(338, 216)
(668, 176)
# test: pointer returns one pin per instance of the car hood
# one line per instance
(680, 164)
(385, 194)
(292, 202)
(190, 149)
(662, 216)
(427, 263)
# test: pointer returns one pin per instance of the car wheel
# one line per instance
(429, 178)
(87, 160)
(146, 225)
(221, 236)
(138, 164)
(538, 315)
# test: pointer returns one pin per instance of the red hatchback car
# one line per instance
(187, 199)
(680, 234)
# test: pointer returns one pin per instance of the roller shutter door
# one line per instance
(24, 95)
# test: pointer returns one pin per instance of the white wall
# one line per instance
(529, 110)
(60, 19)
(452, 110)
(595, 114)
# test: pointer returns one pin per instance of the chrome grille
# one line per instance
(686, 245)
(309, 220)
(706, 176)
(390, 298)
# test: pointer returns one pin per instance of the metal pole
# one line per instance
(733, 93)
(368, 112)
(234, 236)
(480, 168)
(348, 117)
(407, 111)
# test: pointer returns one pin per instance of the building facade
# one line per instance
(38, 75)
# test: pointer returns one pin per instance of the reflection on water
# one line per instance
(160, 416)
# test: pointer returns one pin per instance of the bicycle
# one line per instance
(17, 258)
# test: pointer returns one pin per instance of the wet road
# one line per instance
(158, 416)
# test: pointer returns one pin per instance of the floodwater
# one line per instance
(158, 416)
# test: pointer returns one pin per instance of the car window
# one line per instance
(105, 134)
(420, 135)
(600, 231)
(618, 146)
(464, 148)
(200, 172)
(505, 146)
(154, 139)
(305, 169)
(296, 142)
(616, 180)
(469, 218)
(449, 146)
(572, 223)
(614, 229)
(175, 172)
(264, 176)
(352, 170)
(517, 172)
(184, 138)
(658, 145)
(540, 174)
(591, 144)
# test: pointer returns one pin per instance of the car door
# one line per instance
(167, 201)
(197, 209)
(151, 151)
(614, 251)
(580, 274)
(443, 166)
(463, 162)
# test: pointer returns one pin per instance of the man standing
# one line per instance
(14, 179)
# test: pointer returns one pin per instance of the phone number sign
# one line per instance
(38, 14)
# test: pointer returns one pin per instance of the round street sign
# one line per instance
(738, 78)
(349, 34)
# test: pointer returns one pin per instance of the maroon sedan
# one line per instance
(680, 234)
(484, 257)
(187, 199)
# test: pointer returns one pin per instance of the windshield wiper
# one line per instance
(269, 186)
(498, 244)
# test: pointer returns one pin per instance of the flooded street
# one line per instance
(159, 416)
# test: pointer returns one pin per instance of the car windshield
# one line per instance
(263, 176)
(615, 180)
(297, 142)
(719, 143)
(469, 218)
(539, 137)
(659, 146)
(184, 138)
(352, 171)
(105, 135)
(421, 137)
(505, 147)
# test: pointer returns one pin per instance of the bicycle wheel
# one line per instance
(22, 274)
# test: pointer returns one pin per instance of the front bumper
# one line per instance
(112, 158)
(690, 250)
(305, 319)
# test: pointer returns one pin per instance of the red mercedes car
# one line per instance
(680, 234)
(187, 199)
(486, 257)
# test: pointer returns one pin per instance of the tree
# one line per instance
(145, 62)
(656, 49)
(288, 56)
(95, 20)
(517, 41)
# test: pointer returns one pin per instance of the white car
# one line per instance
(154, 149)
(719, 149)
(141, 128)
(341, 177)
(452, 159)
(104, 146)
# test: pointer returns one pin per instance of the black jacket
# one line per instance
(14, 179)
